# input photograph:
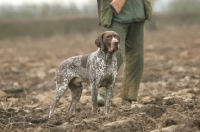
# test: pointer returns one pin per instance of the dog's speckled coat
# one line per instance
(98, 68)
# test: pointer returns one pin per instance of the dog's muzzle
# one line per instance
(114, 45)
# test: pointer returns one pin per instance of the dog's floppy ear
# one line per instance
(99, 42)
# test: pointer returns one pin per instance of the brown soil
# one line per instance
(169, 94)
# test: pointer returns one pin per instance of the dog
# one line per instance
(98, 68)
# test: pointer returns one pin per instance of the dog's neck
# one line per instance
(106, 54)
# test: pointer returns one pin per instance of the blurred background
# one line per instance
(48, 17)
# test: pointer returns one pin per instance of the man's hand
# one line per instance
(117, 5)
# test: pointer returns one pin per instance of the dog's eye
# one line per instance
(108, 37)
(115, 36)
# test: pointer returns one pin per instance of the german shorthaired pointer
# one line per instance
(98, 68)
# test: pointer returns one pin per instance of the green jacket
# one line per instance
(133, 11)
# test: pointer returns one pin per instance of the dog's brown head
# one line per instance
(108, 41)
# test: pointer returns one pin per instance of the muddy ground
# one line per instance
(168, 99)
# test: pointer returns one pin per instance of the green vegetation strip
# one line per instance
(47, 27)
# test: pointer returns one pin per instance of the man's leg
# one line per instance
(133, 62)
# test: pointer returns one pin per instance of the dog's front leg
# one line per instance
(109, 90)
(94, 98)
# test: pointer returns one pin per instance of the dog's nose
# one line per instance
(116, 43)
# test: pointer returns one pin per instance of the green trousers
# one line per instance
(131, 55)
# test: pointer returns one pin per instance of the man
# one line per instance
(127, 18)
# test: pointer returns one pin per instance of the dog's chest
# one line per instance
(101, 68)
(106, 71)
(106, 80)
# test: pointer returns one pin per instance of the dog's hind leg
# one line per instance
(76, 90)
(61, 87)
